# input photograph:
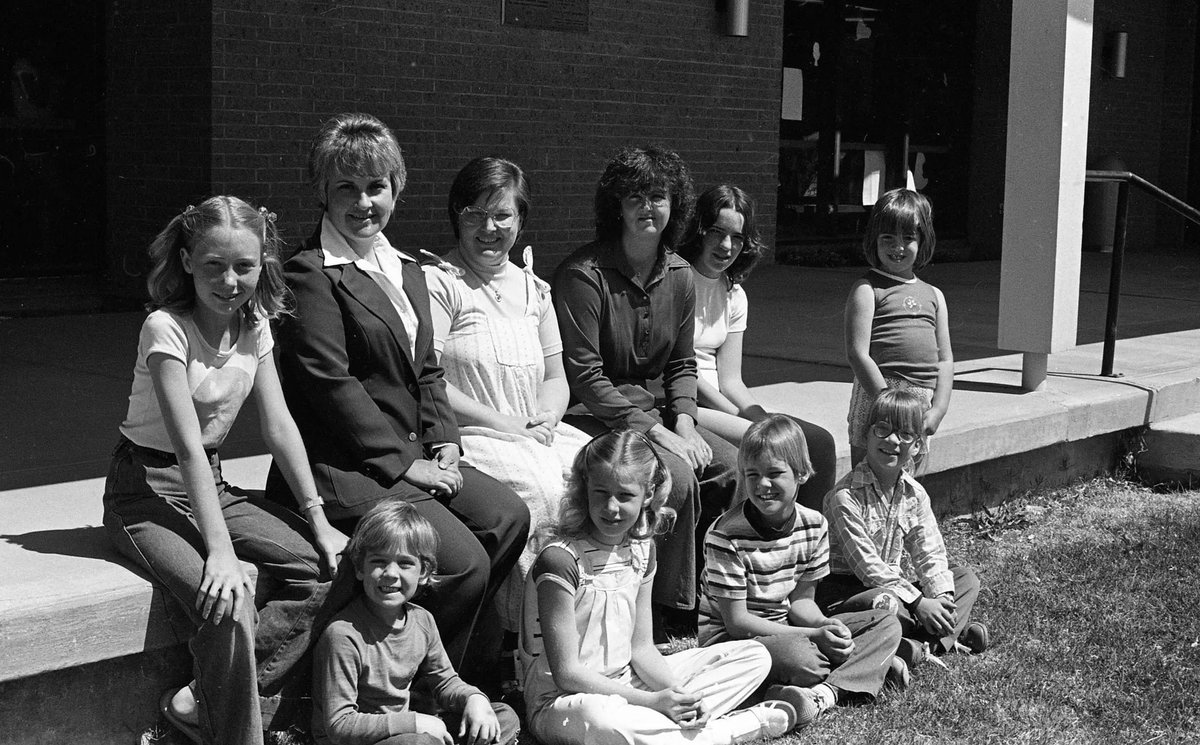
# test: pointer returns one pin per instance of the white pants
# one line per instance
(724, 674)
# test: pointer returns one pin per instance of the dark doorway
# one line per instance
(877, 94)
(52, 140)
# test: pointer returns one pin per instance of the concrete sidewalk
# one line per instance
(66, 378)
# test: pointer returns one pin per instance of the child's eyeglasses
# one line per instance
(473, 217)
(884, 430)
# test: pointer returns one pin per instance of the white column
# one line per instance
(1048, 90)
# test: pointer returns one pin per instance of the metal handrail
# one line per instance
(1123, 179)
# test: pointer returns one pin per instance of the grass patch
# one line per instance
(1091, 595)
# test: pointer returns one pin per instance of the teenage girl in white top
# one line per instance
(723, 246)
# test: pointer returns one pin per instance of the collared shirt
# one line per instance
(886, 540)
(389, 274)
(619, 334)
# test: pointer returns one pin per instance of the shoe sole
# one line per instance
(189, 730)
(806, 708)
(783, 706)
(911, 651)
(979, 641)
(898, 675)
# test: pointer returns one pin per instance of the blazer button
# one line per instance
(412, 390)
(412, 436)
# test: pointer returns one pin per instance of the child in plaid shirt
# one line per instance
(885, 546)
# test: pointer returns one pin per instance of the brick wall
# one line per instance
(454, 83)
(159, 130)
(1145, 118)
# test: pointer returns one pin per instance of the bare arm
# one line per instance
(733, 388)
(648, 663)
(742, 624)
(555, 394)
(287, 448)
(945, 369)
(860, 313)
(225, 587)
(831, 635)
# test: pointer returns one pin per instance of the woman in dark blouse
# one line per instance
(625, 307)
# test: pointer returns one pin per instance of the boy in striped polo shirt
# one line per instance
(764, 558)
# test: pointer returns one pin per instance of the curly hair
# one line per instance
(171, 287)
(628, 454)
(636, 170)
(485, 175)
(708, 209)
(355, 145)
(776, 436)
(900, 212)
(390, 526)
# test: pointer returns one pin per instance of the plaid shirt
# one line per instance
(889, 541)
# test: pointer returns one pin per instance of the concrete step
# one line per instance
(58, 571)
(1172, 451)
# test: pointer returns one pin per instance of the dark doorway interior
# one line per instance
(873, 90)
(52, 140)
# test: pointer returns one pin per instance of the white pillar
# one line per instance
(1048, 90)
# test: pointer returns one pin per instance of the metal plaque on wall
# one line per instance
(556, 15)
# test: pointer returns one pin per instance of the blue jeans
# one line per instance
(241, 665)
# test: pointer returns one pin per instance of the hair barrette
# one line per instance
(268, 216)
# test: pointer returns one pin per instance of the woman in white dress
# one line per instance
(497, 335)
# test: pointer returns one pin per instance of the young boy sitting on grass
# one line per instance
(381, 642)
(763, 560)
(886, 549)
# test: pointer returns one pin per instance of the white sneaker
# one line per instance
(775, 718)
(804, 700)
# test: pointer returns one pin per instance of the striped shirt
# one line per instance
(887, 540)
(741, 563)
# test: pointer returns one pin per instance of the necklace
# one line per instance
(486, 283)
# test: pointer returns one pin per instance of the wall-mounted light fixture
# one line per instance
(737, 16)
(1116, 45)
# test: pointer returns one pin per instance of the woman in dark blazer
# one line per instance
(361, 378)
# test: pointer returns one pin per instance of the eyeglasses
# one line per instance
(884, 430)
(474, 217)
(654, 200)
(736, 241)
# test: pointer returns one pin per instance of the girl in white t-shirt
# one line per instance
(203, 350)
(723, 247)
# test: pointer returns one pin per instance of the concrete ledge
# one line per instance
(991, 417)
(66, 597)
(1172, 451)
